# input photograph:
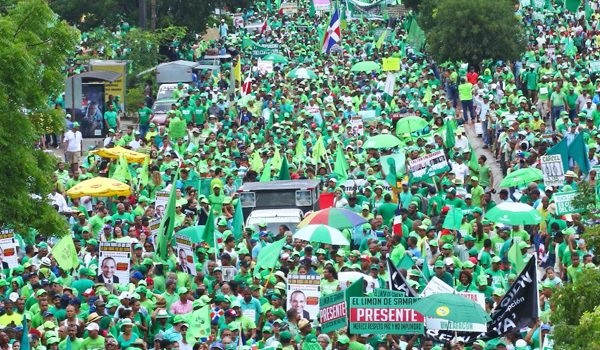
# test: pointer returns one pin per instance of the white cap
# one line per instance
(93, 327)
(13, 296)
(46, 261)
(448, 261)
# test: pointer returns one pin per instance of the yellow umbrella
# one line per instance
(99, 187)
(115, 152)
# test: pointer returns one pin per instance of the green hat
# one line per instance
(182, 290)
(447, 246)
(469, 238)
(439, 264)
(286, 336)
(343, 339)
(499, 292)
(496, 259)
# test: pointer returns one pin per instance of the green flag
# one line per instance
(269, 6)
(167, 223)
(284, 170)
(65, 253)
(406, 262)
(391, 177)
(356, 289)
(515, 257)
(25, 335)
(450, 137)
(572, 5)
(300, 148)
(578, 151)
(266, 173)
(561, 149)
(381, 39)
(199, 321)
(318, 150)
(340, 167)
(268, 255)
(208, 235)
(311, 10)
(453, 219)
(238, 221)
(122, 170)
(143, 176)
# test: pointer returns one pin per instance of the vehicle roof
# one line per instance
(279, 185)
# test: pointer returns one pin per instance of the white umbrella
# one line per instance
(510, 213)
(321, 234)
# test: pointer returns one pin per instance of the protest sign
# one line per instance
(388, 315)
(322, 5)
(552, 167)
(441, 324)
(162, 198)
(367, 10)
(387, 293)
(367, 115)
(154, 225)
(8, 249)
(391, 64)
(396, 11)
(228, 273)
(548, 342)
(356, 184)
(259, 50)
(346, 278)
(595, 66)
(430, 164)
(264, 66)
(479, 298)
(564, 203)
(303, 295)
(185, 254)
(114, 259)
(436, 286)
(238, 20)
(333, 314)
(357, 126)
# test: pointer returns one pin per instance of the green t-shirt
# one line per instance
(144, 115)
(465, 91)
(93, 344)
(387, 211)
(111, 118)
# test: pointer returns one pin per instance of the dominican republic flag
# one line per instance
(397, 225)
(265, 26)
(334, 32)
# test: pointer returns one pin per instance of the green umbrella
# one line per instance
(382, 141)
(301, 73)
(410, 124)
(275, 58)
(522, 177)
(321, 234)
(366, 66)
(510, 213)
(193, 232)
(451, 307)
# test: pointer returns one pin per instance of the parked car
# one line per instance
(160, 109)
(274, 218)
(165, 91)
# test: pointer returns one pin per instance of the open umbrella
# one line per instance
(410, 124)
(451, 307)
(115, 152)
(275, 58)
(522, 177)
(510, 213)
(334, 217)
(301, 73)
(193, 232)
(99, 187)
(366, 66)
(382, 141)
(321, 234)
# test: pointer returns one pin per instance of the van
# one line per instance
(274, 218)
(165, 91)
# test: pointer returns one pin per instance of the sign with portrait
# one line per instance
(185, 255)
(115, 262)
(303, 294)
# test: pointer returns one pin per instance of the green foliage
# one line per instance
(411, 4)
(427, 13)
(473, 30)
(571, 304)
(587, 334)
(143, 46)
(592, 237)
(586, 198)
(33, 47)
(134, 97)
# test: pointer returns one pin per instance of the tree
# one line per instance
(474, 30)
(34, 45)
(576, 308)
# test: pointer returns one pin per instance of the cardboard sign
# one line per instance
(391, 64)
(552, 167)
(333, 315)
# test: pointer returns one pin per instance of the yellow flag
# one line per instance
(65, 254)
(237, 71)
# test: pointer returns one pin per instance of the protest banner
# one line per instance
(303, 295)
(441, 324)
(333, 314)
(391, 64)
(430, 164)
(552, 167)
(289, 8)
(238, 20)
(356, 184)
(396, 11)
(8, 249)
(387, 315)
(370, 11)
(264, 66)
(114, 259)
(322, 5)
(387, 293)
(357, 126)
(436, 286)
(259, 50)
(548, 342)
(367, 115)
(564, 203)
(162, 198)
(185, 254)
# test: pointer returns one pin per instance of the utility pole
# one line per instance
(152, 15)
(142, 14)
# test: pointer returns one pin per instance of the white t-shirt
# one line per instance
(73, 140)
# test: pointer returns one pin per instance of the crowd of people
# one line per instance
(216, 135)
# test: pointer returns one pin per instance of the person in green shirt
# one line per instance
(387, 210)
(465, 94)
(93, 341)
(476, 191)
(111, 118)
(571, 98)
(558, 102)
(144, 115)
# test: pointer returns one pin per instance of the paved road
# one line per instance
(477, 144)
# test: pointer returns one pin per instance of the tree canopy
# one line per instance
(34, 45)
(473, 30)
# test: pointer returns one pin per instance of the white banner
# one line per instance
(185, 254)
(355, 185)
(264, 66)
(114, 259)
(8, 249)
(430, 164)
(303, 295)
(552, 167)
(436, 286)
